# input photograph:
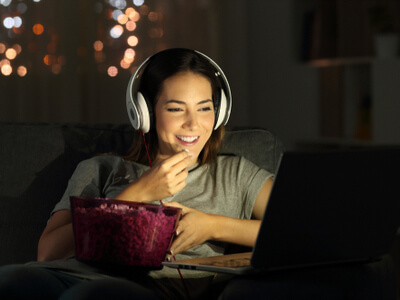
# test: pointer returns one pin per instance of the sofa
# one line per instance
(37, 159)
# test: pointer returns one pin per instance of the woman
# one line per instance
(223, 198)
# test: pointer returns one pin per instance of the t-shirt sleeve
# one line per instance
(87, 180)
(251, 180)
(241, 182)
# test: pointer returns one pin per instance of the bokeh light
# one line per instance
(132, 41)
(116, 13)
(17, 48)
(112, 71)
(8, 22)
(130, 25)
(17, 22)
(22, 71)
(11, 53)
(129, 55)
(116, 31)
(5, 2)
(98, 46)
(56, 69)
(122, 19)
(6, 70)
(153, 16)
(2, 48)
(22, 8)
(138, 2)
(38, 29)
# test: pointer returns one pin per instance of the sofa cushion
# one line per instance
(259, 146)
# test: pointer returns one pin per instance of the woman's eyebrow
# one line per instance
(184, 103)
(204, 101)
(175, 101)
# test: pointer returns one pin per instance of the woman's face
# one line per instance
(184, 114)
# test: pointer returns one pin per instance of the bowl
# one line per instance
(113, 232)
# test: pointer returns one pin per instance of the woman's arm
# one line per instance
(57, 240)
(196, 227)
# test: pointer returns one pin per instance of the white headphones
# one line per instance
(137, 106)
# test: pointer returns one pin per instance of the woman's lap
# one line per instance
(20, 281)
(31, 282)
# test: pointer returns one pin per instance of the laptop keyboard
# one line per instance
(229, 263)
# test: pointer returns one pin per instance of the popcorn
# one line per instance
(123, 234)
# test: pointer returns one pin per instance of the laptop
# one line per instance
(325, 208)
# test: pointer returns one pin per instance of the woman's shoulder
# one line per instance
(232, 160)
(109, 161)
(241, 164)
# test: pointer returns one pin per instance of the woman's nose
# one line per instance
(191, 121)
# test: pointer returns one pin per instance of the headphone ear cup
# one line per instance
(144, 113)
(133, 113)
(221, 116)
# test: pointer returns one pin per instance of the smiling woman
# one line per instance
(179, 100)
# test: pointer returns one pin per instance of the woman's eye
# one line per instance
(174, 109)
(207, 108)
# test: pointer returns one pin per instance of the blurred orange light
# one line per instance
(108, 13)
(49, 60)
(134, 16)
(144, 10)
(56, 69)
(125, 64)
(122, 19)
(98, 45)
(129, 10)
(4, 62)
(17, 48)
(153, 16)
(38, 29)
(132, 41)
(22, 71)
(18, 30)
(2, 48)
(112, 71)
(130, 25)
(11, 53)
(6, 70)
(129, 54)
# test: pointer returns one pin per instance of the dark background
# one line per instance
(307, 70)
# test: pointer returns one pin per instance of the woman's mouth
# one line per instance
(188, 140)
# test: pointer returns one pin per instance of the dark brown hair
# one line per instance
(161, 66)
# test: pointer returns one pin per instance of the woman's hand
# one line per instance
(163, 180)
(194, 228)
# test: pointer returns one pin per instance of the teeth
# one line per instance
(188, 139)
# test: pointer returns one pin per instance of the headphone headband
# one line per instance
(138, 106)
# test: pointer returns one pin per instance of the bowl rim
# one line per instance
(126, 202)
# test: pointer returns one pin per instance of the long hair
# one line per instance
(161, 66)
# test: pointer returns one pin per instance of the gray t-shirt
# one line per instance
(228, 188)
